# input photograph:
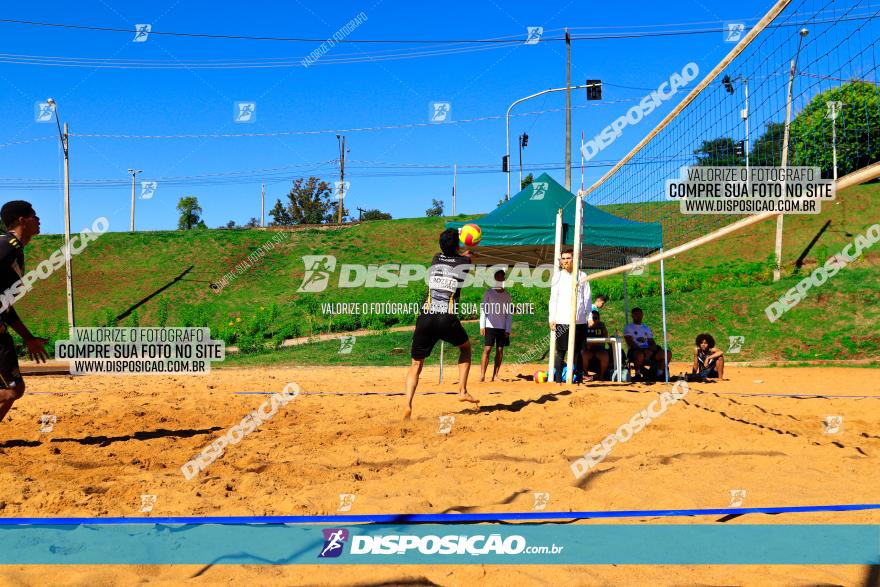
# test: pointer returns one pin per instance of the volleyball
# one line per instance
(470, 235)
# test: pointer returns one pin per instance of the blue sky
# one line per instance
(324, 96)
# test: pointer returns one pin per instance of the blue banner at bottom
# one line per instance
(531, 544)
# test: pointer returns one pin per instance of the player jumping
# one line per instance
(438, 320)
(21, 223)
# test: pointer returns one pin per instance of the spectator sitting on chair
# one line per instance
(595, 354)
(708, 360)
(643, 352)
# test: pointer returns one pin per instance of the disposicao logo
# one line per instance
(334, 540)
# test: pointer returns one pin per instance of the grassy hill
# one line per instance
(164, 278)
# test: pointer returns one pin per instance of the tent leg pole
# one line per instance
(663, 306)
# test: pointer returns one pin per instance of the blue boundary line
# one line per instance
(435, 518)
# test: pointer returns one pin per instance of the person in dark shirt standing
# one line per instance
(21, 223)
(438, 318)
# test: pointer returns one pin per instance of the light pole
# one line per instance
(507, 122)
(133, 173)
(744, 113)
(777, 270)
(65, 137)
(833, 110)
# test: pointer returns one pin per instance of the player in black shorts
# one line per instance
(21, 223)
(438, 320)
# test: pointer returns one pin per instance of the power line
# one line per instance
(508, 40)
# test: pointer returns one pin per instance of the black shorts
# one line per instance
(496, 337)
(433, 327)
(649, 354)
(9, 372)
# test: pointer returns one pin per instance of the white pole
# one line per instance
(663, 304)
(133, 174)
(777, 270)
(67, 265)
(834, 135)
(454, 175)
(263, 205)
(575, 272)
(557, 252)
(748, 141)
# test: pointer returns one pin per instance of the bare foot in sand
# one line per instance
(407, 413)
(466, 397)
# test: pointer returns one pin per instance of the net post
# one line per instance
(663, 312)
(575, 274)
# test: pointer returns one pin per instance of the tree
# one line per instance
(436, 208)
(720, 152)
(309, 202)
(767, 149)
(231, 224)
(375, 214)
(190, 213)
(526, 181)
(858, 119)
(252, 223)
(280, 214)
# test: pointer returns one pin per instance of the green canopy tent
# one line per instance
(523, 229)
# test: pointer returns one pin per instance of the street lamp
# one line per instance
(506, 158)
(64, 135)
(133, 173)
(777, 270)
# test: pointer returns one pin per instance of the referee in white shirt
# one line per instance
(560, 311)
(496, 320)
